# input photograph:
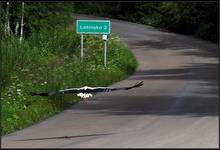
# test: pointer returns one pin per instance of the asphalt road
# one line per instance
(176, 108)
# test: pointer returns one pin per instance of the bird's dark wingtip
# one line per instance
(40, 94)
(139, 84)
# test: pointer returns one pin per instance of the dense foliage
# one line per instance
(195, 18)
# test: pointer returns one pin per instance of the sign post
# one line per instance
(81, 47)
(104, 37)
(105, 53)
(94, 27)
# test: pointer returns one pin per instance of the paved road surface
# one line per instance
(176, 108)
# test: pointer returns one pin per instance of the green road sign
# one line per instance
(93, 26)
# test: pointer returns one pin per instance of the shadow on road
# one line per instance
(198, 71)
(186, 44)
(65, 137)
(195, 106)
(203, 101)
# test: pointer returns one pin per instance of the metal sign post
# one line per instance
(105, 52)
(81, 47)
(104, 37)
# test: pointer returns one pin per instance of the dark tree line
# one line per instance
(195, 18)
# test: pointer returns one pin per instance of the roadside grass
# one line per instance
(48, 61)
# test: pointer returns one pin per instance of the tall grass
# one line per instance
(48, 61)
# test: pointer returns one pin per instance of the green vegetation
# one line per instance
(46, 65)
(48, 59)
(194, 18)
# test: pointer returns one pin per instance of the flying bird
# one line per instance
(86, 92)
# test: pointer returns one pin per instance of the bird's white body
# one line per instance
(84, 95)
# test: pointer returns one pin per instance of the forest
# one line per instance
(200, 19)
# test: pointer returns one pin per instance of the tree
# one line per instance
(22, 21)
(7, 23)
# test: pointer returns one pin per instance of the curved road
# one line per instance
(176, 108)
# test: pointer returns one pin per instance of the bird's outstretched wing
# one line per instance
(87, 90)
(59, 92)
(108, 89)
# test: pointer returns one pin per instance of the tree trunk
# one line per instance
(22, 21)
(16, 28)
(7, 23)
